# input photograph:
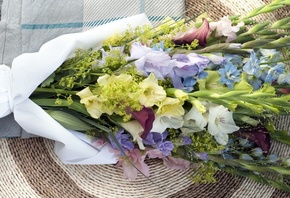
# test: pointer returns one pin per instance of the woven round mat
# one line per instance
(29, 167)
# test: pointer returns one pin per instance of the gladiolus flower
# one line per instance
(91, 102)
(153, 93)
(200, 34)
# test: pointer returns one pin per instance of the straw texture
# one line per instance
(29, 167)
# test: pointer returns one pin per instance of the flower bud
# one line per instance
(280, 23)
(273, 158)
(257, 152)
(286, 162)
(246, 157)
(245, 143)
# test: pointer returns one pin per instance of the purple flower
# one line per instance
(150, 61)
(202, 156)
(186, 69)
(258, 135)
(165, 147)
(157, 141)
(145, 117)
(186, 140)
(124, 140)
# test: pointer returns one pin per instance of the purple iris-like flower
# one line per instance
(157, 140)
(151, 61)
(124, 141)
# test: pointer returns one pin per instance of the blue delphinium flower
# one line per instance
(256, 71)
(252, 66)
(234, 58)
(254, 81)
(284, 78)
(274, 73)
(229, 75)
(158, 141)
(270, 56)
(124, 141)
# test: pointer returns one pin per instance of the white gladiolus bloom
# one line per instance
(221, 123)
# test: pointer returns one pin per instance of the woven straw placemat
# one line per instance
(29, 167)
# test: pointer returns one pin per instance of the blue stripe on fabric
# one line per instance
(52, 26)
(83, 24)
(142, 6)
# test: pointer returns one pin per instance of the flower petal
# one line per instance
(200, 34)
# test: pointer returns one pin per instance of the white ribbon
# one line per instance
(31, 69)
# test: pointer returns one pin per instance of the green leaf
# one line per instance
(243, 84)
(48, 81)
(46, 102)
(281, 22)
(280, 136)
(69, 121)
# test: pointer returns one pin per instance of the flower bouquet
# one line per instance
(193, 93)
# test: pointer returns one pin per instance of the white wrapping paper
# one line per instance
(29, 70)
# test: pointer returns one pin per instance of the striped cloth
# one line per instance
(26, 24)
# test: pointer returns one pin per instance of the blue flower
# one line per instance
(235, 59)
(124, 140)
(270, 55)
(284, 78)
(274, 73)
(229, 75)
(254, 81)
(252, 65)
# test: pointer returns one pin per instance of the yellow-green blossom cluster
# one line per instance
(120, 94)
(204, 142)
(114, 60)
(205, 173)
(77, 70)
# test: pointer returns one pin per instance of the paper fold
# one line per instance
(31, 69)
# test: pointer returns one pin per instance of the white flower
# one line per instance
(161, 123)
(194, 121)
(221, 123)
(224, 28)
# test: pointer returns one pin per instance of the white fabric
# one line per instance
(29, 70)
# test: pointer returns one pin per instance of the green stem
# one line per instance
(57, 91)
(258, 178)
